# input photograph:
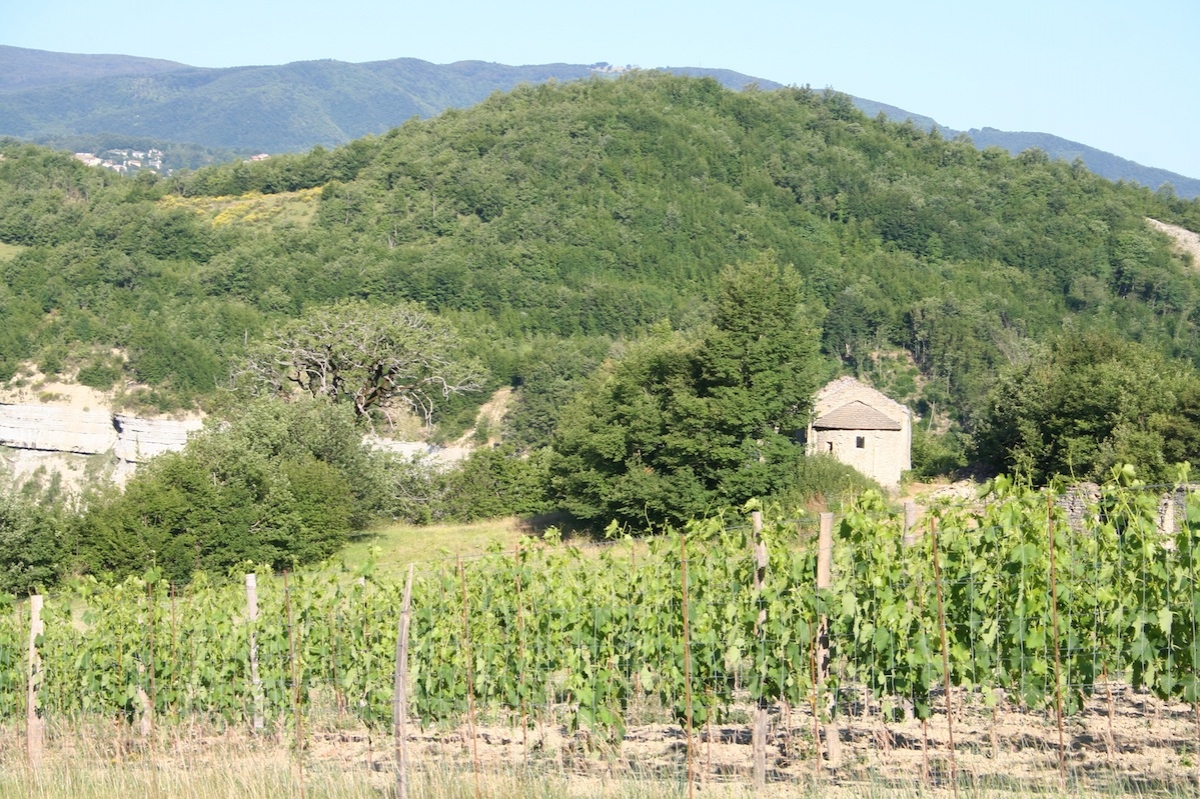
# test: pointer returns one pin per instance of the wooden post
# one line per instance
(758, 733)
(400, 697)
(297, 711)
(466, 620)
(35, 725)
(252, 617)
(687, 661)
(911, 516)
(1058, 705)
(833, 749)
(937, 578)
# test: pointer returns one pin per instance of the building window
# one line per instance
(831, 446)
(860, 442)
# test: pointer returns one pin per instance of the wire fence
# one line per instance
(1025, 636)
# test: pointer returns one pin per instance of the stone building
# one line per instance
(863, 428)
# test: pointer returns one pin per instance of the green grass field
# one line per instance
(397, 545)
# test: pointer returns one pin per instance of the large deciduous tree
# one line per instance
(682, 424)
(375, 357)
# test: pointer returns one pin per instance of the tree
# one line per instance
(282, 483)
(375, 357)
(1087, 402)
(682, 424)
(33, 548)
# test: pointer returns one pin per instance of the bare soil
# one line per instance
(1135, 744)
(1185, 240)
(1131, 745)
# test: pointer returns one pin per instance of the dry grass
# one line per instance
(102, 762)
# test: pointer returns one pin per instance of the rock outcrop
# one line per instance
(66, 430)
(52, 428)
(139, 440)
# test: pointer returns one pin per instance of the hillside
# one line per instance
(556, 217)
(662, 271)
(97, 102)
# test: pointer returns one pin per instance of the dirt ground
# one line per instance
(1185, 240)
(1134, 745)
(1142, 745)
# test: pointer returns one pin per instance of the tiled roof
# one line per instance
(855, 416)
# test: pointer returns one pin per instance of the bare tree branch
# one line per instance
(377, 357)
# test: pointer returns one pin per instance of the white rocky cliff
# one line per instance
(54, 430)
(55, 437)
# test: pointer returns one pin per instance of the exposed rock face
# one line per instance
(434, 456)
(139, 439)
(56, 429)
(61, 429)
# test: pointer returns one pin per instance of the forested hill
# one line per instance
(554, 218)
(95, 103)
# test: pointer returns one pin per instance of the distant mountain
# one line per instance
(55, 98)
(22, 68)
(1106, 164)
(726, 77)
(872, 109)
(276, 108)
(1102, 163)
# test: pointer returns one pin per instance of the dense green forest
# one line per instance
(559, 229)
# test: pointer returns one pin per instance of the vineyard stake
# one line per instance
(707, 743)
(153, 697)
(35, 725)
(297, 716)
(910, 523)
(174, 657)
(937, 579)
(147, 700)
(1058, 708)
(824, 653)
(255, 680)
(687, 660)
(521, 651)
(400, 694)
(462, 576)
(759, 729)
(812, 664)
(924, 721)
(1111, 742)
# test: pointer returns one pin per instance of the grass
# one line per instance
(191, 759)
(10, 251)
(270, 774)
(397, 545)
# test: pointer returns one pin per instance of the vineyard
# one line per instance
(1031, 629)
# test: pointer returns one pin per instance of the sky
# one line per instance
(1119, 76)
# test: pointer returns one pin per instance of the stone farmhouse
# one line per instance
(862, 428)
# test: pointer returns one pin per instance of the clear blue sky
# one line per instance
(1121, 76)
